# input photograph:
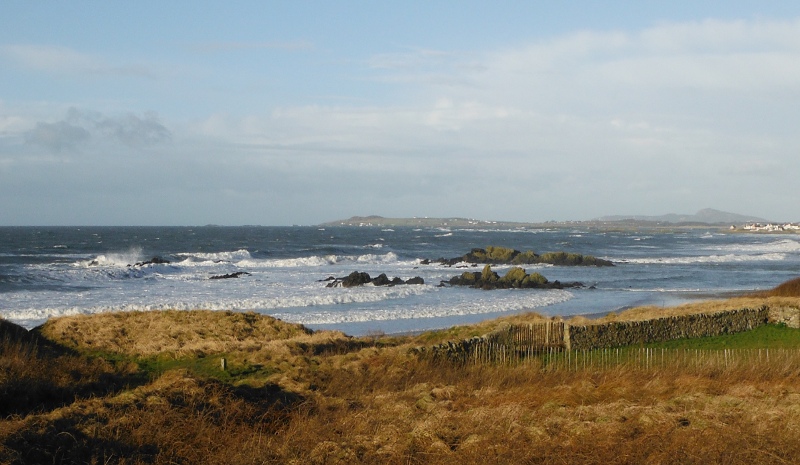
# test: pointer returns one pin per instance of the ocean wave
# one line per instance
(30, 317)
(118, 259)
(512, 230)
(316, 261)
(215, 257)
(783, 246)
(728, 258)
(472, 307)
(243, 258)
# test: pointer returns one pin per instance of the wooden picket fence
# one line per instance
(512, 344)
(544, 345)
(787, 360)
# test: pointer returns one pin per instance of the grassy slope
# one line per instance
(147, 388)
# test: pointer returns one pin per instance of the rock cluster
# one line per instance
(152, 261)
(357, 278)
(515, 278)
(504, 256)
(230, 275)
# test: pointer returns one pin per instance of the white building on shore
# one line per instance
(772, 227)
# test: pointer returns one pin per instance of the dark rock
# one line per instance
(152, 261)
(515, 278)
(356, 279)
(359, 278)
(231, 275)
(381, 280)
(504, 256)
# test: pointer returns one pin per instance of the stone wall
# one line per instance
(787, 315)
(616, 334)
(517, 342)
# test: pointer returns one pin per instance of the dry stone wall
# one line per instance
(616, 334)
(789, 316)
(517, 342)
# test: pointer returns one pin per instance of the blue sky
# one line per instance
(281, 113)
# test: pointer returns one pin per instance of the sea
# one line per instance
(47, 272)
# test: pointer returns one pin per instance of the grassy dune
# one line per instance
(135, 388)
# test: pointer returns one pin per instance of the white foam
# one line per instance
(783, 246)
(243, 258)
(728, 258)
(217, 257)
(503, 301)
(130, 257)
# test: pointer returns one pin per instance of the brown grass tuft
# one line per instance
(790, 288)
(177, 332)
(36, 375)
(328, 399)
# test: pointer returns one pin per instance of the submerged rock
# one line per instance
(231, 275)
(152, 261)
(360, 278)
(515, 278)
(504, 256)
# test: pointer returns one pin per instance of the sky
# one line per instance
(302, 112)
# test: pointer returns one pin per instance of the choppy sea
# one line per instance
(51, 271)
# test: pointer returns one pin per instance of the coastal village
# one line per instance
(771, 227)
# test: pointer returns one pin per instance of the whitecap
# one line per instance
(728, 258)
(510, 302)
(133, 255)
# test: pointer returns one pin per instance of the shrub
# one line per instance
(527, 257)
(488, 276)
(534, 279)
(790, 288)
(514, 276)
(500, 254)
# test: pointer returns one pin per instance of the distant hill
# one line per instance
(375, 220)
(707, 215)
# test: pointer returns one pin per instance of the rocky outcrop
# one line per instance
(357, 278)
(515, 278)
(152, 261)
(504, 256)
(230, 275)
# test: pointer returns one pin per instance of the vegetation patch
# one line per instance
(287, 395)
(772, 336)
(515, 278)
(494, 255)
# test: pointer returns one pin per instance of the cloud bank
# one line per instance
(669, 118)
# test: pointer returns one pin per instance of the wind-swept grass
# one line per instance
(289, 396)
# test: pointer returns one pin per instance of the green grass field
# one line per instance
(764, 337)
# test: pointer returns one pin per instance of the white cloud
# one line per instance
(64, 60)
(674, 117)
(292, 46)
(79, 127)
(58, 136)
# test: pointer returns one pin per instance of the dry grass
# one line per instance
(173, 331)
(384, 407)
(37, 375)
(790, 288)
(325, 398)
(710, 306)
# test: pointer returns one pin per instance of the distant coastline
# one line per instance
(707, 218)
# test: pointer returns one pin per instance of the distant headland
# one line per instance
(704, 218)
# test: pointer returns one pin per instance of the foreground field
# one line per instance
(150, 388)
